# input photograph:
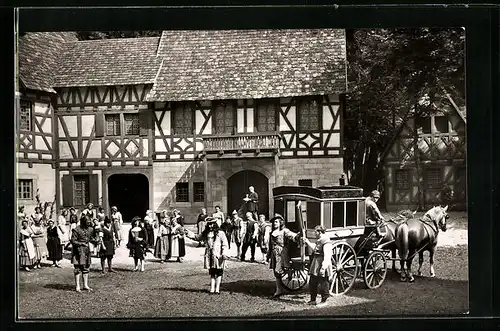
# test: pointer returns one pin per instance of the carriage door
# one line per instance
(237, 188)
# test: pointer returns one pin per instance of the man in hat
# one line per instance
(373, 215)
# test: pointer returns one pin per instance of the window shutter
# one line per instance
(145, 120)
(94, 189)
(99, 125)
(67, 190)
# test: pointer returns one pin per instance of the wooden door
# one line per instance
(237, 188)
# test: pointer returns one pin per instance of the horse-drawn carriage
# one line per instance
(357, 250)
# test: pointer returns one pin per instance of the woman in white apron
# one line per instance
(27, 252)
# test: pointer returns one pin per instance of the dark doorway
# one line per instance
(130, 194)
(237, 188)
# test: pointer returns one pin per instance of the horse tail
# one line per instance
(402, 241)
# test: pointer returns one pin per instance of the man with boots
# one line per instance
(250, 233)
(81, 237)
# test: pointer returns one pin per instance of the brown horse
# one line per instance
(389, 240)
(418, 235)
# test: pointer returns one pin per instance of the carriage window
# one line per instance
(338, 214)
(290, 211)
(313, 214)
(328, 215)
(351, 213)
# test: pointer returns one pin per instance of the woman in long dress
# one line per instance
(62, 229)
(39, 240)
(137, 243)
(27, 252)
(178, 248)
(216, 252)
(81, 237)
(36, 216)
(107, 251)
(201, 224)
(277, 253)
(117, 219)
(54, 244)
(148, 225)
(162, 241)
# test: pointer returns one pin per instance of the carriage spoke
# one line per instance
(349, 259)
(351, 275)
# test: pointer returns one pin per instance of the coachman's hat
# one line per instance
(375, 194)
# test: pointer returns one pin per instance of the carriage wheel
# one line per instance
(375, 270)
(294, 279)
(345, 268)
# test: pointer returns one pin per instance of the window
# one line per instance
(308, 113)
(113, 124)
(423, 125)
(441, 123)
(266, 115)
(306, 182)
(81, 189)
(183, 113)
(402, 179)
(131, 123)
(25, 115)
(199, 192)
(25, 189)
(338, 214)
(182, 192)
(351, 217)
(433, 178)
(224, 119)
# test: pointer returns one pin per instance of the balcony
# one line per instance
(260, 144)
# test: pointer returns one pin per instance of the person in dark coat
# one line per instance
(250, 235)
(54, 244)
(81, 236)
(252, 202)
(107, 251)
(137, 243)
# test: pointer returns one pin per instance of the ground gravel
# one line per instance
(181, 290)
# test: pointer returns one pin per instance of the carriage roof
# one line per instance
(322, 193)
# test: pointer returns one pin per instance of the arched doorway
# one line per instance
(237, 188)
(130, 194)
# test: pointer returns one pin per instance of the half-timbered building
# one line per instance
(427, 159)
(191, 119)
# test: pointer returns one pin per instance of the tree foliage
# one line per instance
(394, 74)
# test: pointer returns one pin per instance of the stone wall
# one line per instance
(322, 171)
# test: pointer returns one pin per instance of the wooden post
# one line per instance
(205, 180)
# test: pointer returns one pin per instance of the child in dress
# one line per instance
(27, 252)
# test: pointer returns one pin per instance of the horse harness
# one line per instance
(428, 223)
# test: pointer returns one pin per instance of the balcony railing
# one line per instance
(241, 142)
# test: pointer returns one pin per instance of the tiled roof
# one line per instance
(250, 64)
(38, 54)
(126, 61)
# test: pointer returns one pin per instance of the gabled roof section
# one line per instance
(38, 53)
(124, 61)
(237, 64)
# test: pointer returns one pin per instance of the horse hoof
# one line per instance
(433, 275)
(411, 280)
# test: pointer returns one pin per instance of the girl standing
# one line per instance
(215, 253)
(148, 225)
(36, 216)
(137, 243)
(62, 229)
(162, 242)
(39, 242)
(117, 219)
(101, 215)
(108, 245)
(54, 244)
(178, 248)
(27, 252)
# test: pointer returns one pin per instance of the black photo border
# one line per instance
(483, 158)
